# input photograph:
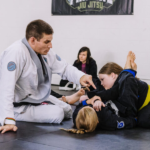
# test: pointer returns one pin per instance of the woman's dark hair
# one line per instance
(84, 49)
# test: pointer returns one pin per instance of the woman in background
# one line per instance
(86, 64)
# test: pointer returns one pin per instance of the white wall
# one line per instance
(109, 37)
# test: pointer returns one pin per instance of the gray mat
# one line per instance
(35, 136)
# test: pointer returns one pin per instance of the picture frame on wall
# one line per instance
(92, 7)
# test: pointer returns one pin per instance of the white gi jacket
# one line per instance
(19, 78)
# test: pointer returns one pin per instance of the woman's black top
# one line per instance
(91, 69)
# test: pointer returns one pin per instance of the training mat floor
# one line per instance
(36, 136)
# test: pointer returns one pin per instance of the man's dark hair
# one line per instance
(37, 28)
(84, 49)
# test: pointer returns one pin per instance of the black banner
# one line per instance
(92, 7)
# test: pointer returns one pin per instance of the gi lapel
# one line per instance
(44, 85)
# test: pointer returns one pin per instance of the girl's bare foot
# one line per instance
(133, 56)
(63, 98)
(80, 92)
(130, 57)
(133, 65)
(128, 62)
(75, 97)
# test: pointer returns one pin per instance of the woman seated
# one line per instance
(86, 64)
(127, 94)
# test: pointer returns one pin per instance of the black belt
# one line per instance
(33, 104)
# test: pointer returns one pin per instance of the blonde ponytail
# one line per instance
(74, 131)
(86, 121)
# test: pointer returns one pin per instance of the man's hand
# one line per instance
(86, 89)
(8, 127)
(86, 81)
(98, 104)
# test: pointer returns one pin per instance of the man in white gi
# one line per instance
(26, 68)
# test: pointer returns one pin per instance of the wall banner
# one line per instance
(92, 7)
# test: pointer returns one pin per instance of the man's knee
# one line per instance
(42, 114)
(59, 115)
(52, 114)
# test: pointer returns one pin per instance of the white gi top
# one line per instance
(19, 78)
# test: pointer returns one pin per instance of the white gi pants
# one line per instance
(44, 113)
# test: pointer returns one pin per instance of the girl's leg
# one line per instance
(144, 117)
(74, 97)
(133, 65)
(82, 98)
(129, 93)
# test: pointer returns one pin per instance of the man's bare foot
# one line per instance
(75, 97)
(130, 57)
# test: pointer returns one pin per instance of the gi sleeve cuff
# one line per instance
(7, 121)
(84, 103)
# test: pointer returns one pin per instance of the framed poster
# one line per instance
(92, 7)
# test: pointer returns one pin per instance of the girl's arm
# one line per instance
(112, 93)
